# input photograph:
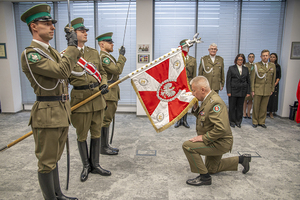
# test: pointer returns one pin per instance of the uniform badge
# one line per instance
(202, 113)
(34, 57)
(217, 108)
(106, 61)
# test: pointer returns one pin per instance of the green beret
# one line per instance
(105, 37)
(182, 42)
(77, 24)
(40, 12)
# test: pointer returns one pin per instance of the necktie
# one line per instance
(81, 50)
(53, 53)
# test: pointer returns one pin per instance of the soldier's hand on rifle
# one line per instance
(104, 89)
(71, 36)
(122, 50)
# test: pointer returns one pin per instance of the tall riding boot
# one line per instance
(179, 123)
(47, 185)
(94, 158)
(83, 151)
(104, 143)
(185, 122)
(58, 192)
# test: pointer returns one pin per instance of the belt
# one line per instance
(63, 98)
(90, 86)
(111, 81)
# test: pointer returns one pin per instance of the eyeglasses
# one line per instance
(240, 59)
(213, 49)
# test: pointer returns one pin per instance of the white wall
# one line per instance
(290, 68)
(144, 34)
(10, 88)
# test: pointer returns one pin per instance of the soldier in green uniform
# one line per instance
(248, 100)
(48, 72)
(214, 137)
(88, 117)
(212, 67)
(191, 70)
(113, 69)
(262, 86)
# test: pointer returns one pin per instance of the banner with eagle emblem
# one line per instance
(163, 90)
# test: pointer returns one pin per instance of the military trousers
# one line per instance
(109, 112)
(260, 104)
(87, 121)
(49, 146)
(213, 158)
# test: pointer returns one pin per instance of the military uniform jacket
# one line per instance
(191, 67)
(263, 79)
(90, 55)
(49, 114)
(113, 69)
(213, 124)
(214, 72)
(250, 67)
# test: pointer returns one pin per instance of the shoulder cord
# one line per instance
(204, 68)
(46, 56)
(111, 60)
(261, 77)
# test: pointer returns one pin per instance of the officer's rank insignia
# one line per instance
(106, 61)
(202, 113)
(217, 108)
(34, 57)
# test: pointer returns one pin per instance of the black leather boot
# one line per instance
(107, 138)
(104, 143)
(83, 151)
(47, 185)
(58, 192)
(94, 158)
(179, 123)
(185, 124)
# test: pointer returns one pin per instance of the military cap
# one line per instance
(182, 42)
(40, 12)
(105, 37)
(77, 24)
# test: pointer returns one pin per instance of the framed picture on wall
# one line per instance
(143, 48)
(3, 50)
(295, 52)
(143, 58)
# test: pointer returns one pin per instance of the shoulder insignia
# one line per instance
(217, 108)
(34, 57)
(106, 61)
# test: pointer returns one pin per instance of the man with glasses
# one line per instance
(212, 67)
(113, 69)
(48, 72)
(86, 82)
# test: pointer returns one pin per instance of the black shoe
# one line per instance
(199, 181)
(249, 117)
(105, 148)
(94, 159)
(262, 125)
(232, 125)
(245, 116)
(254, 125)
(178, 123)
(83, 151)
(245, 163)
(238, 125)
(184, 122)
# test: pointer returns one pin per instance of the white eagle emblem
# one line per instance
(168, 90)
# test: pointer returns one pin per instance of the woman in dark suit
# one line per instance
(238, 87)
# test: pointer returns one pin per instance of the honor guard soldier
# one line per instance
(212, 67)
(113, 69)
(262, 86)
(191, 72)
(248, 100)
(214, 136)
(48, 72)
(88, 77)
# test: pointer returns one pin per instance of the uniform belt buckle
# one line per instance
(64, 97)
(91, 86)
